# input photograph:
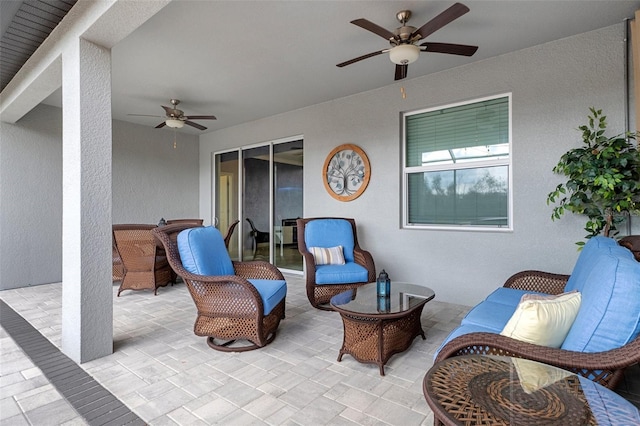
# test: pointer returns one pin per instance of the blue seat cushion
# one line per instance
(330, 233)
(348, 273)
(490, 315)
(271, 292)
(509, 296)
(609, 316)
(461, 330)
(202, 252)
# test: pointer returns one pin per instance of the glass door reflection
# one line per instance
(287, 203)
(256, 203)
(226, 201)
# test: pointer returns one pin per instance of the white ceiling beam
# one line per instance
(104, 23)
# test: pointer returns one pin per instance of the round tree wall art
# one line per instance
(346, 172)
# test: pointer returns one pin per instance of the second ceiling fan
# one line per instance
(404, 49)
(176, 119)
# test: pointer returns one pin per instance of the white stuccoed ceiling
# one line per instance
(245, 60)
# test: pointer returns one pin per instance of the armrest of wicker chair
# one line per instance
(257, 269)
(544, 282)
(605, 368)
(364, 258)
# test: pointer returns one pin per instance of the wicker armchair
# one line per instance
(606, 368)
(320, 294)
(142, 264)
(230, 308)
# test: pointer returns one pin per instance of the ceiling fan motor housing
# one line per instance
(403, 35)
(176, 113)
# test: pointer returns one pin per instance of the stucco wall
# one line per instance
(31, 199)
(151, 179)
(553, 85)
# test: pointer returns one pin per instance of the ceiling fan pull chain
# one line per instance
(175, 133)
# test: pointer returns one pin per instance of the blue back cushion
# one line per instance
(609, 315)
(203, 252)
(330, 233)
(584, 264)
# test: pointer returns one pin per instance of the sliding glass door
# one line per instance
(264, 191)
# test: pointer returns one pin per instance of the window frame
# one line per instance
(406, 171)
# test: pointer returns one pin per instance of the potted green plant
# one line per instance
(603, 178)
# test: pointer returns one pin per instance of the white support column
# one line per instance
(87, 295)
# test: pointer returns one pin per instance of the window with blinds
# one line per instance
(457, 165)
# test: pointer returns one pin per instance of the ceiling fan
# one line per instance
(404, 49)
(176, 119)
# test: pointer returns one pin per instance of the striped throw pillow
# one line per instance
(327, 255)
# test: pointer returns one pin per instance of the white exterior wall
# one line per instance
(31, 199)
(553, 85)
(150, 180)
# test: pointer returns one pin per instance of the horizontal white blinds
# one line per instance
(482, 123)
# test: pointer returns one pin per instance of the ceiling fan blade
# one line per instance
(196, 125)
(374, 28)
(161, 125)
(452, 49)
(449, 15)
(368, 55)
(144, 115)
(401, 71)
(201, 117)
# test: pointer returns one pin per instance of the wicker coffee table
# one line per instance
(376, 328)
(492, 390)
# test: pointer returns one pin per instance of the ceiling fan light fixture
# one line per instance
(174, 123)
(404, 54)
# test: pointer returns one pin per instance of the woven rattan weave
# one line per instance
(486, 390)
(144, 267)
(373, 333)
(230, 309)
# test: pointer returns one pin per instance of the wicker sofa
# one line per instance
(602, 340)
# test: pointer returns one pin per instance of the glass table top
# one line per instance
(404, 297)
(483, 389)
